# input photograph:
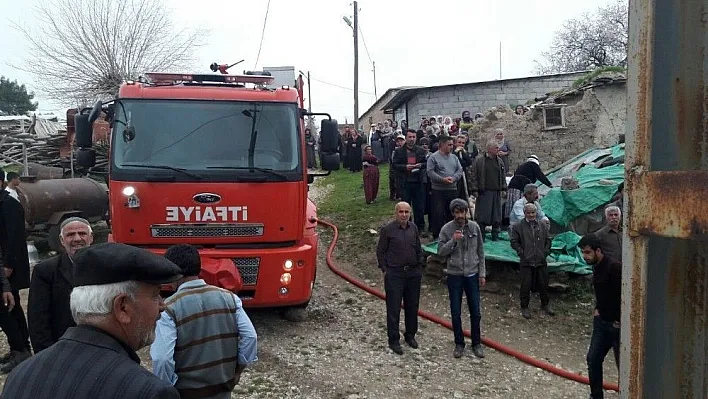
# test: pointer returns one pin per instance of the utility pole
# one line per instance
(376, 97)
(356, 65)
(309, 93)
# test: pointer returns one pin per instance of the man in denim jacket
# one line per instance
(461, 242)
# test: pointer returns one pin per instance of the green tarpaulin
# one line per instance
(565, 256)
(597, 186)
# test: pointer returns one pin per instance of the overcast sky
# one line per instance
(436, 42)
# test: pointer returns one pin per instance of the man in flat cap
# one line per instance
(116, 302)
(48, 310)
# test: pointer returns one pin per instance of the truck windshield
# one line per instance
(205, 140)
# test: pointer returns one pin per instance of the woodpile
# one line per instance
(40, 141)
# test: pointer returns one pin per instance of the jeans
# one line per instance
(402, 285)
(414, 194)
(470, 285)
(604, 337)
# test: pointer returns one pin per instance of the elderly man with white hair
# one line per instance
(487, 184)
(532, 242)
(530, 197)
(116, 302)
(610, 236)
(48, 310)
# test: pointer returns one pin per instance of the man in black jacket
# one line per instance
(116, 302)
(15, 262)
(410, 163)
(48, 310)
(607, 282)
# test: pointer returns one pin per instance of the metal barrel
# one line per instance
(43, 199)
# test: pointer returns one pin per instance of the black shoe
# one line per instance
(459, 351)
(548, 310)
(478, 351)
(412, 343)
(525, 312)
(15, 359)
(396, 348)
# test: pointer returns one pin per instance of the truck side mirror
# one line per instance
(83, 125)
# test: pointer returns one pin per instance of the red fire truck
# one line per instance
(217, 161)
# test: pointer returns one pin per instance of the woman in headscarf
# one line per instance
(387, 138)
(435, 125)
(448, 126)
(528, 172)
(504, 149)
(343, 150)
(371, 175)
(310, 141)
(354, 152)
(376, 141)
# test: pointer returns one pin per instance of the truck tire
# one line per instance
(53, 239)
(330, 161)
(329, 136)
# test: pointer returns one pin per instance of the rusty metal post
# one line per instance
(665, 278)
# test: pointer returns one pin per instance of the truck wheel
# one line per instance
(53, 239)
(296, 314)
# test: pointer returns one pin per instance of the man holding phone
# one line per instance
(461, 243)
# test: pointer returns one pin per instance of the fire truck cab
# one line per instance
(217, 161)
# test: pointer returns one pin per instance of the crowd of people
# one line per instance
(92, 307)
(400, 258)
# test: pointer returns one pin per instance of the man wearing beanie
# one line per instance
(204, 337)
(48, 310)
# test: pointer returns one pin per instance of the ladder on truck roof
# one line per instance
(174, 78)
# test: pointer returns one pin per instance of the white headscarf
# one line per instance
(532, 158)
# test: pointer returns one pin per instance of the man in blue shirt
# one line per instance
(204, 338)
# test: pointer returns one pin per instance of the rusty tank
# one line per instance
(48, 202)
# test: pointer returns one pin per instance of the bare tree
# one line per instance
(589, 42)
(82, 50)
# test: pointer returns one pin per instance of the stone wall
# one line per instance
(595, 119)
(479, 97)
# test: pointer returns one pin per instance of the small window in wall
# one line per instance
(554, 117)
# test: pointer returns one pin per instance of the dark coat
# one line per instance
(48, 312)
(528, 173)
(86, 363)
(532, 248)
(400, 163)
(13, 241)
(476, 181)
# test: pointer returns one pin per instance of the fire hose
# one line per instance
(445, 323)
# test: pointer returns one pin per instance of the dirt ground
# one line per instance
(340, 350)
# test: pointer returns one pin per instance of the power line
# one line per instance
(339, 86)
(258, 57)
(364, 40)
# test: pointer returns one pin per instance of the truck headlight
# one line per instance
(128, 190)
(288, 265)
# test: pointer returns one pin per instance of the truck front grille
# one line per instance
(206, 230)
(248, 268)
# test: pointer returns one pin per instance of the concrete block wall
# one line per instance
(479, 97)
